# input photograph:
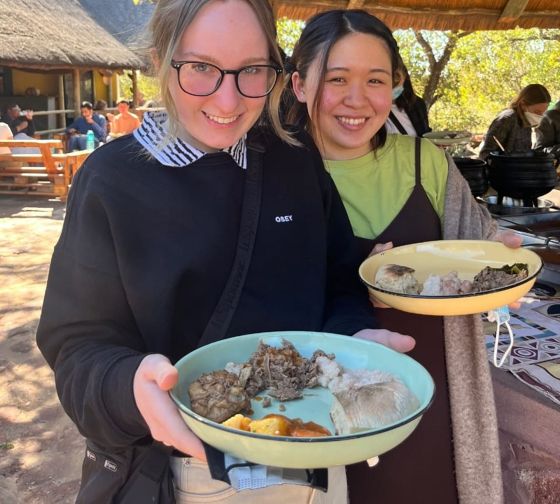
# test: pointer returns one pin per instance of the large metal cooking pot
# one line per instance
(523, 175)
(475, 173)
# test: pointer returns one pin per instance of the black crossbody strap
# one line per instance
(250, 211)
(397, 123)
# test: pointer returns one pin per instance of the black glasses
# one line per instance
(202, 79)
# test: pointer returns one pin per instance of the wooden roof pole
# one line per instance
(355, 4)
(61, 119)
(76, 90)
(275, 4)
(512, 11)
(134, 79)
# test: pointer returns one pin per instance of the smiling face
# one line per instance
(356, 97)
(218, 121)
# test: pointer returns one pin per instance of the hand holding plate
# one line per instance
(396, 341)
(153, 379)
(377, 249)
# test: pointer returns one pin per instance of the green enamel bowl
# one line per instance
(303, 452)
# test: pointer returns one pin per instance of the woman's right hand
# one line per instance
(154, 377)
(378, 248)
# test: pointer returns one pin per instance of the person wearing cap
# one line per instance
(88, 120)
(19, 121)
(124, 122)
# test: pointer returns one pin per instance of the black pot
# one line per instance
(522, 175)
(475, 173)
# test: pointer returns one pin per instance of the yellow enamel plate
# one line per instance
(467, 258)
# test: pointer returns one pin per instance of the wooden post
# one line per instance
(61, 118)
(76, 91)
(134, 78)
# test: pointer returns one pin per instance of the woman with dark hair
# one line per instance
(409, 114)
(399, 190)
(513, 126)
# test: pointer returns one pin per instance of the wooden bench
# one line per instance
(47, 172)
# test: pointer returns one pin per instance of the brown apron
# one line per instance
(421, 469)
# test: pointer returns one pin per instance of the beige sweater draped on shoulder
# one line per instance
(473, 410)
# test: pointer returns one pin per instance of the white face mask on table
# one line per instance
(533, 119)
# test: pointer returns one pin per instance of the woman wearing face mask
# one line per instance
(548, 132)
(513, 126)
(150, 237)
(409, 115)
(399, 190)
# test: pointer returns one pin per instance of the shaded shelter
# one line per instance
(42, 42)
(438, 14)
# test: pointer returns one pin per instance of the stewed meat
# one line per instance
(218, 396)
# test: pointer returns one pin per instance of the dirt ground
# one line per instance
(40, 449)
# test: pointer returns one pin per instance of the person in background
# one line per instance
(151, 234)
(513, 126)
(548, 132)
(100, 109)
(5, 134)
(124, 122)
(88, 120)
(409, 114)
(399, 190)
(13, 118)
(20, 126)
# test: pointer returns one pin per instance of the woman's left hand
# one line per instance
(395, 341)
(509, 238)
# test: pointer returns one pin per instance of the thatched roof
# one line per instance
(57, 34)
(122, 19)
(438, 14)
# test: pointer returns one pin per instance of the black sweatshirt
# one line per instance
(146, 250)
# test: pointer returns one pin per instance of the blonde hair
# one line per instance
(169, 21)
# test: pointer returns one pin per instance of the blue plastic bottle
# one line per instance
(90, 140)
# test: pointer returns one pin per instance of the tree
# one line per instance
(483, 73)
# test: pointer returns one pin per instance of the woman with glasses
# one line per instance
(150, 237)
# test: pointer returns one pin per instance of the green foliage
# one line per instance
(289, 31)
(148, 86)
(485, 73)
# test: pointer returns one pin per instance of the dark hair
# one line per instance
(100, 105)
(407, 98)
(320, 34)
(86, 104)
(18, 120)
(529, 95)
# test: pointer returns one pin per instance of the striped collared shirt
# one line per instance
(153, 132)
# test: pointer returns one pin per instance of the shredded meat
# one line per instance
(283, 371)
(218, 396)
(493, 278)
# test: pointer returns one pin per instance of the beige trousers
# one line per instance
(193, 484)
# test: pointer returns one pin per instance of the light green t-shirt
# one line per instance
(375, 187)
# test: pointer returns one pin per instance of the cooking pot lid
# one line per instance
(521, 154)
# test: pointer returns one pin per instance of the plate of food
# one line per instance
(450, 277)
(301, 399)
(445, 138)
